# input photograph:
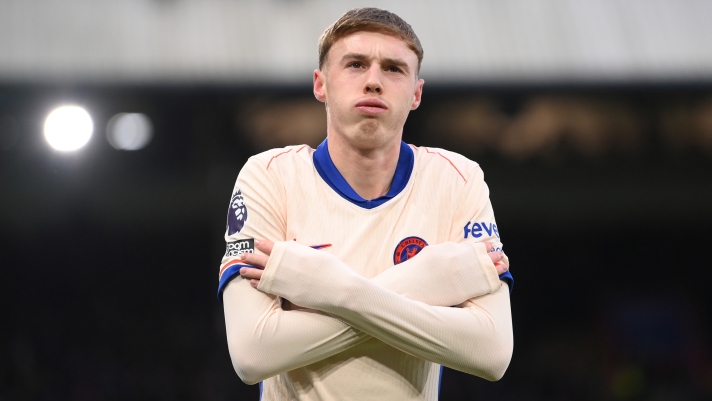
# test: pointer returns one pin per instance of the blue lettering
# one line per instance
(488, 229)
(476, 230)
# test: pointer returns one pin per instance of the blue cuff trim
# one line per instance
(227, 276)
(331, 175)
(508, 278)
(440, 379)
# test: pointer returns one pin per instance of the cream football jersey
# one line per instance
(394, 287)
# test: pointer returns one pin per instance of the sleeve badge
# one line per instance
(237, 213)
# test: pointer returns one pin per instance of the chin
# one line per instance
(368, 134)
(369, 128)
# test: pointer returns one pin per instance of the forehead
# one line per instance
(373, 44)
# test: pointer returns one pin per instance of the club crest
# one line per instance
(237, 213)
(407, 248)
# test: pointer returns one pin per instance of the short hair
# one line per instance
(371, 20)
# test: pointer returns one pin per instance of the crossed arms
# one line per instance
(407, 307)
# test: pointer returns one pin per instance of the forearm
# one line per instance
(265, 340)
(475, 338)
(444, 274)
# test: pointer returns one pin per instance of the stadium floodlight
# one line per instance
(129, 131)
(68, 128)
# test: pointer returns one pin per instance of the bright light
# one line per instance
(68, 128)
(129, 131)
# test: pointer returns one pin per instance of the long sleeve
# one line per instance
(264, 340)
(444, 274)
(474, 221)
(475, 338)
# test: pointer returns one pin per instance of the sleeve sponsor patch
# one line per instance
(477, 229)
(237, 248)
(236, 214)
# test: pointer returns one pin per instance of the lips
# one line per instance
(371, 106)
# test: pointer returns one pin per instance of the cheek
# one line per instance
(339, 95)
(332, 90)
(407, 97)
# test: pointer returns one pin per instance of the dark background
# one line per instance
(110, 258)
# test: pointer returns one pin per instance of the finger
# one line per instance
(248, 272)
(265, 246)
(496, 256)
(254, 283)
(255, 259)
(501, 267)
(489, 246)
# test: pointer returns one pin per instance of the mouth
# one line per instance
(371, 106)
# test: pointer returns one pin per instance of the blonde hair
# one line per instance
(371, 20)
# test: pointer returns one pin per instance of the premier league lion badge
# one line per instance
(407, 248)
(237, 213)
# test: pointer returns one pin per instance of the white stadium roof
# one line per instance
(274, 41)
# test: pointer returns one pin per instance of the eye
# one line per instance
(355, 64)
(393, 68)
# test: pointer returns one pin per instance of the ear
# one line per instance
(319, 87)
(417, 96)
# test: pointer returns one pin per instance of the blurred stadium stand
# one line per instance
(592, 121)
(248, 42)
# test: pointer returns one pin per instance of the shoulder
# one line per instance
(277, 165)
(446, 163)
(274, 159)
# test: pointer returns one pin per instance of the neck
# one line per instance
(369, 172)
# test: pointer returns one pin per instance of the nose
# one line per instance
(373, 81)
(373, 87)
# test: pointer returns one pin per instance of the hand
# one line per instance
(496, 259)
(254, 274)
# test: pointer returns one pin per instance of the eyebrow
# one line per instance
(390, 61)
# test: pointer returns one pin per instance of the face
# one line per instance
(369, 83)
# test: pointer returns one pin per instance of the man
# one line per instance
(355, 270)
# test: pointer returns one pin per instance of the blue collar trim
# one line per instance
(331, 175)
